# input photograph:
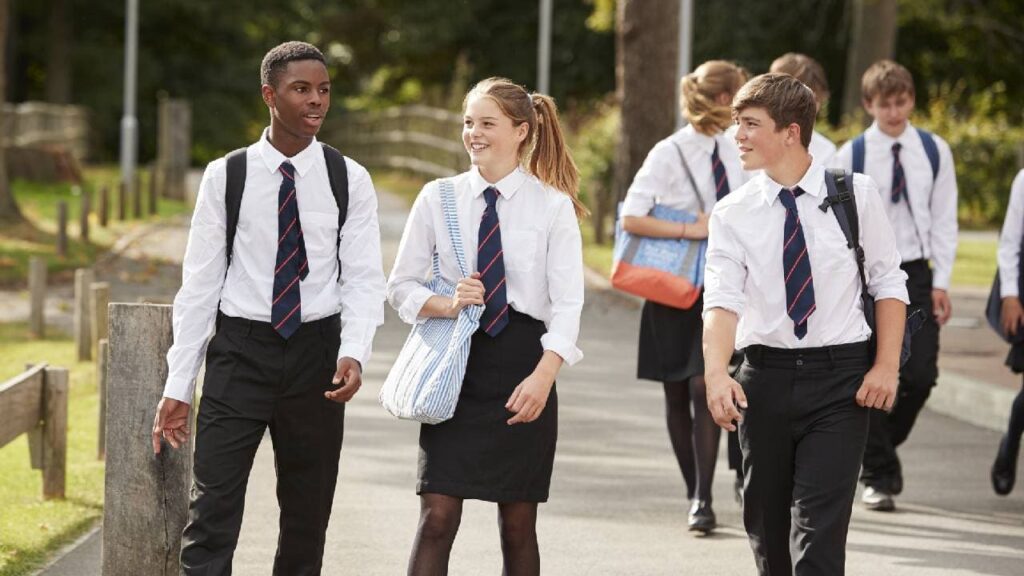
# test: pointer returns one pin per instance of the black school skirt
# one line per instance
(475, 454)
(670, 342)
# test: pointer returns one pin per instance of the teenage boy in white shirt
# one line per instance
(782, 284)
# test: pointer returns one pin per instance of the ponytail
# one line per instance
(550, 160)
(699, 92)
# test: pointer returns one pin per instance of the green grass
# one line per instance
(37, 235)
(31, 528)
(975, 263)
(596, 256)
(401, 184)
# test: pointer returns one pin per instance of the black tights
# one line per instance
(1010, 446)
(694, 435)
(439, 522)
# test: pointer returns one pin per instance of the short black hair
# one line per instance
(277, 59)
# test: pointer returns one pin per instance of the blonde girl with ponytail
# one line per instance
(518, 209)
(690, 170)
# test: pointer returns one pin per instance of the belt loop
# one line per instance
(831, 356)
(248, 327)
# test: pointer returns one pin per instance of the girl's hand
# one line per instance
(530, 397)
(468, 291)
(698, 230)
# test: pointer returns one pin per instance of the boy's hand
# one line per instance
(724, 394)
(879, 387)
(170, 423)
(1012, 314)
(941, 305)
(350, 374)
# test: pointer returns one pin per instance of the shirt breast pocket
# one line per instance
(320, 231)
(832, 255)
(520, 249)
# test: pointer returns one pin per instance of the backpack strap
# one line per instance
(844, 205)
(337, 174)
(233, 189)
(931, 149)
(858, 154)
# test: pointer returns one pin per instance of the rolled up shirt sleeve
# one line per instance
(202, 280)
(653, 179)
(565, 283)
(362, 274)
(725, 273)
(881, 259)
(406, 291)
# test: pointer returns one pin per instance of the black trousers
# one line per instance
(882, 468)
(255, 380)
(802, 437)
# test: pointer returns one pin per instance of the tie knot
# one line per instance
(288, 169)
(896, 148)
(788, 197)
(491, 196)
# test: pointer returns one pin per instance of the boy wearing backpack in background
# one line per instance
(917, 180)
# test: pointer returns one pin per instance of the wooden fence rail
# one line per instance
(36, 402)
(423, 140)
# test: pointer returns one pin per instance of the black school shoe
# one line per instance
(1004, 470)
(702, 517)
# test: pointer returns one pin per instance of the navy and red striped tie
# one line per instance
(291, 266)
(491, 264)
(718, 169)
(796, 265)
(899, 181)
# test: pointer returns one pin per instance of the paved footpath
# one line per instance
(617, 503)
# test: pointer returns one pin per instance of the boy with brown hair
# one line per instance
(917, 183)
(781, 283)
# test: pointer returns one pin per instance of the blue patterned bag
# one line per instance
(426, 379)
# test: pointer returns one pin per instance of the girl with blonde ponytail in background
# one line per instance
(690, 170)
(517, 209)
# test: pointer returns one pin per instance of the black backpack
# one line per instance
(844, 206)
(337, 173)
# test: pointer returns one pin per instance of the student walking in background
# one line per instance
(917, 182)
(517, 210)
(809, 71)
(1004, 470)
(782, 283)
(690, 170)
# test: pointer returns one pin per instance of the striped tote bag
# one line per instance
(425, 381)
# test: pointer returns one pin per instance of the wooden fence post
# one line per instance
(82, 331)
(99, 298)
(104, 211)
(101, 386)
(122, 200)
(137, 195)
(83, 216)
(146, 500)
(55, 432)
(37, 296)
(154, 190)
(62, 228)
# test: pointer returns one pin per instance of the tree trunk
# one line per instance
(646, 87)
(872, 38)
(58, 65)
(8, 207)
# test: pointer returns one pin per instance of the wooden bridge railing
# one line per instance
(36, 402)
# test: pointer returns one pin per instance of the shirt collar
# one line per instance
(812, 183)
(272, 157)
(875, 133)
(701, 141)
(507, 186)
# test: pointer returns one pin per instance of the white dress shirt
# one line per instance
(662, 178)
(246, 291)
(541, 243)
(1010, 238)
(744, 263)
(933, 201)
(823, 150)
